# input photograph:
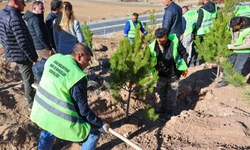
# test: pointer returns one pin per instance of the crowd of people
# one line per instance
(54, 52)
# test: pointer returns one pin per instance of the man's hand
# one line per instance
(193, 36)
(149, 35)
(104, 128)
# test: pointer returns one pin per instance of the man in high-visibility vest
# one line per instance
(171, 63)
(189, 20)
(242, 10)
(240, 44)
(60, 107)
(130, 27)
(206, 14)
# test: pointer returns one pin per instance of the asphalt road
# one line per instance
(110, 26)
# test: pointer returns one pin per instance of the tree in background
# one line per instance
(150, 28)
(131, 68)
(214, 48)
(87, 34)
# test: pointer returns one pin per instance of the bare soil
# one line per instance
(205, 118)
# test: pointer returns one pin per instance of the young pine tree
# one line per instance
(214, 48)
(150, 28)
(131, 68)
(87, 34)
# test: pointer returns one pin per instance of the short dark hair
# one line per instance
(81, 47)
(36, 3)
(135, 14)
(185, 7)
(161, 32)
(235, 21)
(55, 4)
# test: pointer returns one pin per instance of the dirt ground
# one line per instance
(205, 118)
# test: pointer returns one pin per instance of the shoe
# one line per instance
(160, 110)
(221, 84)
(170, 114)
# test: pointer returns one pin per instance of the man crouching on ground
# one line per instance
(60, 107)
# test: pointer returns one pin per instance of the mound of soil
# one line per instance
(205, 117)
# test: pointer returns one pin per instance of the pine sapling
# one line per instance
(87, 34)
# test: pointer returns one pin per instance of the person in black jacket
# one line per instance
(168, 82)
(18, 44)
(56, 9)
(39, 31)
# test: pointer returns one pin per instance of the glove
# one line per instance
(229, 46)
(104, 128)
(149, 35)
(184, 73)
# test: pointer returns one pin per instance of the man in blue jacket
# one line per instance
(131, 24)
(56, 9)
(18, 44)
(38, 30)
(172, 19)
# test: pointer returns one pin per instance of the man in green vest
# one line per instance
(206, 14)
(242, 10)
(189, 20)
(60, 107)
(240, 44)
(130, 26)
(171, 63)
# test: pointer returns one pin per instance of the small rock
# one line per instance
(203, 91)
(99, 47)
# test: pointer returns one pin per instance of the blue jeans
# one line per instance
(38, 70)
(46, 140)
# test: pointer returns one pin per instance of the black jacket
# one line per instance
(209, 6)
(15, 36)
(165, 61)
(38, 30)
(49, 23)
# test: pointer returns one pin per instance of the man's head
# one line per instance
(161, 35)
(56, 6)
(167, 2)
(18, 4)
(82, 55)
(37, 7)
(204, 1)
(134, 17)
(184, 9)
(236, 23)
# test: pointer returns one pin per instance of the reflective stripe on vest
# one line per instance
(241, 40)
(191, 17)
(243, 10)
(131, 32)
(53, 109)
(207, 21)
(179, 61)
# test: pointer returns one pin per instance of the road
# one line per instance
(110, 26)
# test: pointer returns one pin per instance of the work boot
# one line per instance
(221, 84)
(160, 110)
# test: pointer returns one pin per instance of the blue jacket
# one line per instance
(15, 36)
(49, 23)
(127, 28)
(38, 30)
(172, 19)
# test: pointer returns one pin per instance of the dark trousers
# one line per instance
(28, 80)
(238, 60)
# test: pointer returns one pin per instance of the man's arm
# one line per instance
(79, 94)
(143, 30)
(246, 45)
(199, 21)
(40, 34)
(183, 23)
(23, 38)
(127, 28)
(168, 20)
